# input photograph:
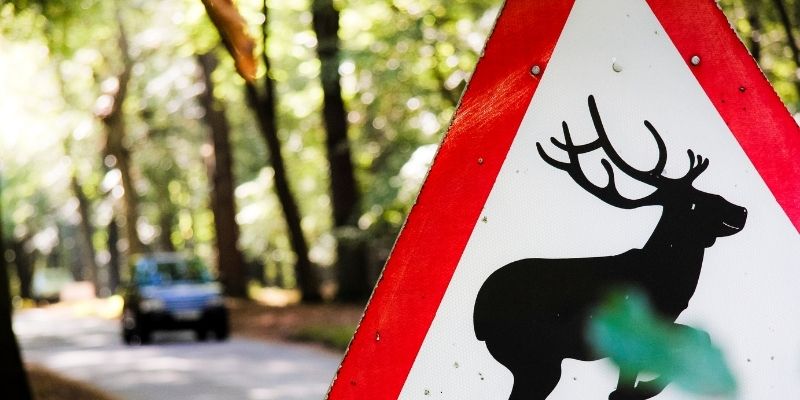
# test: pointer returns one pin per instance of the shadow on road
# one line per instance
(175, 366)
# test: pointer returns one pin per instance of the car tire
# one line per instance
(130, 324)
(127, 337)
(201, 334)
(145, 336)
(222, 331)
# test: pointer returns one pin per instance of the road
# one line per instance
(175, 366)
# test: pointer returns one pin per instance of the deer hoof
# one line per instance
(627, 395)
(620, 395)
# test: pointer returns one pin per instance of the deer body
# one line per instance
(528, 297)
(532, 313)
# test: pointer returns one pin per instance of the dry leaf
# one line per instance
(233, 30)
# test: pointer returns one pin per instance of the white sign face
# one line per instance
(747, 293)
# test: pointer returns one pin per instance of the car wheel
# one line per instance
(201, 334)
(128, 326)
(145, 336)
(127, 337)
(222, 330)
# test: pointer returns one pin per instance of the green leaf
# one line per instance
(626, 329)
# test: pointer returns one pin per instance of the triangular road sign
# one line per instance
(506, 209)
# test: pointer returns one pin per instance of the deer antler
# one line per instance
(608, 193)
(651, 177)
(695, 169)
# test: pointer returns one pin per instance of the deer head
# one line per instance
(690, 215)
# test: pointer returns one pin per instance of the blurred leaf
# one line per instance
(626, 329)
(233, 30)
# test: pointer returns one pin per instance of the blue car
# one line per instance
(168, 291)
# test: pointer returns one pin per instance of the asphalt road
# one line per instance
(175, 366)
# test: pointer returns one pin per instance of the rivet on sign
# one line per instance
(536, 70)
(695, 60)
(616, 67)
(742, 89)
(480, 160)
(377, 336)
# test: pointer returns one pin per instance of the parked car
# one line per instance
(168, 291)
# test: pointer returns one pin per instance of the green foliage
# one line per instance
(336, 336)
(776, 60)
(627, 330)
(404, 64)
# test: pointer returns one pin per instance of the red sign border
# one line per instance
(436, 232)
(741, 94)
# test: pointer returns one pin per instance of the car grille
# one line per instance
(186, 304)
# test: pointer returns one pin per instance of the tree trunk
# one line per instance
(114, 120)
(786, 22)
(263, 105)
(85, 243)
(264, 108)
(752, 8)
(24, 266)
(345, 196)
(230, 263)
(113, 257)
(13, 378)
(115, 133)
(166, 220)
(87, 268)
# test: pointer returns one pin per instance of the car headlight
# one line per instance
(150, 305)
(215, 301)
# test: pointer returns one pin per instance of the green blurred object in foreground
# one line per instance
(626, 329)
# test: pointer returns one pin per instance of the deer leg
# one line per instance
(536, 382)
(626, 386)
(628, 389)
(651, 388)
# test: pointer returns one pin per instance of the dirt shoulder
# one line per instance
(331, 325)
(48, 385)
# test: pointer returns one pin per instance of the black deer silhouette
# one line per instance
(533, 313)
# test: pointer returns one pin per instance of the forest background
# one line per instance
(282, 142)
(127, 129)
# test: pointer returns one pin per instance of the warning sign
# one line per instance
(599, 145)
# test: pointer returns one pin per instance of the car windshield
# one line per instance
(153, 272)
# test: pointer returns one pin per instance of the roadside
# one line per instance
(48, 385)
(328, 325)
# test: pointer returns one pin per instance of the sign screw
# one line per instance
(695, 60)
(536, 70)
(616, 67)
(480, 160)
